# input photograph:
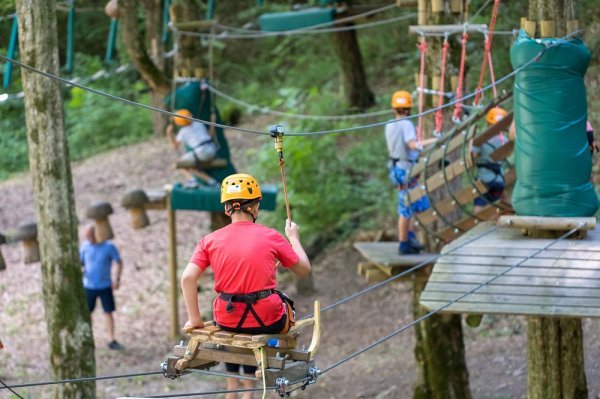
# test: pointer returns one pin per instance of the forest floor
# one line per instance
(495, 351)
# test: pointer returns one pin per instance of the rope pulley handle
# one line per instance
(277, 132)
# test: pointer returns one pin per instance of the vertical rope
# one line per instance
(461, 76)
(488, 46)
(423, 49)
(439, 114)
(211, 76)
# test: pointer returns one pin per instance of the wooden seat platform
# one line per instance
(210, 345)
(215, 163)
(563, 280)
(383, 260)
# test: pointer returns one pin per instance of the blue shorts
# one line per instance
(106, 297)
(398, 176)
(494, 193)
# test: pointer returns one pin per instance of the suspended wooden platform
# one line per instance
(563, 280)
(383, 260)
(283, 365)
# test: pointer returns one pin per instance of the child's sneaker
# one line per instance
(413, 242)
(114, 345)
(406, 249)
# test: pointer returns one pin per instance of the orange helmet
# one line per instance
(239, 187)
(495, 115)
(182, 121)
(401, 99)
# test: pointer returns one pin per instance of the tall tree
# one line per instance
(354, 78)
(439, 347)
(555, 367)
(67, 316)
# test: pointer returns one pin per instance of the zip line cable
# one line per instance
(462, 296)
(303, 31)
(83, 379)
(10, 389)
(397, 276)
(267, 110)
(322, 132)
(317, 26)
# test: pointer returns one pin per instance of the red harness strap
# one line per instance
(486, 55)
(438, 114)
(423, 49)
(461, 75)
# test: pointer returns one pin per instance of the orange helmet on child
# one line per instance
(401, 99)
(183, 121)
(239, 186)
(495, 115)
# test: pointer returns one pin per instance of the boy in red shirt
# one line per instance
(244, 258)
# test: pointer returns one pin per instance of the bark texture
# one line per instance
(559, 11)
(440, 354)
(555, 368)
(439, 346)
(69, 330)
(354, 79)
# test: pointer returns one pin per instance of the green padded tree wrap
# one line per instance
(553, 160)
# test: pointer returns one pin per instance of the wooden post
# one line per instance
(174, 287)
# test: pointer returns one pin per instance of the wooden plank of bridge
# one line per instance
(502, 125)
(449, 205)
(434, 182)
(488, 212)
(561, 281)
(384, 255)
(503, 151)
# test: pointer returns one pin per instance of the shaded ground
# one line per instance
(495, 351)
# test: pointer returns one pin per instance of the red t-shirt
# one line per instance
(243, 256)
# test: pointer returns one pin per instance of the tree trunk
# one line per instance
(439, 346)
(69, 329)
(555, 368)
(354, 79)
(440, 353)
(559, 11)
(151, 69)
(154, 23)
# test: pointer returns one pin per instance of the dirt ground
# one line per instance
(495, 350)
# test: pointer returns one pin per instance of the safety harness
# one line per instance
(251, 299)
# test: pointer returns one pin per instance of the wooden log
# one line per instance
(215, 163)
(548, 29)
(456, 6)
(572, 26)
(173, 281)
(437, 6)
(530, 28)
(547, 223)
(407, 3)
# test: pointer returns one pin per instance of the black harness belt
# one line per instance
(249, 299)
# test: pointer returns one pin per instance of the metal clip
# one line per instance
(281, 386)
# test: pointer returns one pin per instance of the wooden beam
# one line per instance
(441, 29)
(407, 3)
(503, 152)
(547, 223)
(174, 286)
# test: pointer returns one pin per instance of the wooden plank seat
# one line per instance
(561, 280)
(384, 258)
(215, 163)
(210, 345)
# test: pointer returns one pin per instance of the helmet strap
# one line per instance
(244, 206)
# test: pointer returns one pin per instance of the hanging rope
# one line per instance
(277, 133)
(488, 45)
(423, 49)
(461, 76)
(439, 114)
(211, 77)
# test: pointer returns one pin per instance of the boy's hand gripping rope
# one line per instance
(277, 132)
